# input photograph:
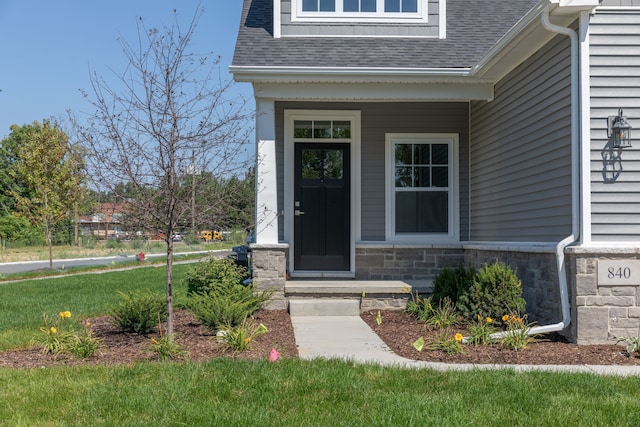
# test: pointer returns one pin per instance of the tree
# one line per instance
(46, 166)
(167, 110)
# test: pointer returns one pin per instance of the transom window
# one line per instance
(360, 9)
(421, 187)
(322, 129)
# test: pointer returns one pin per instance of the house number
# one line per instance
(619, 272)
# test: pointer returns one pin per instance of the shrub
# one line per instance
(227, 307)
(215, 275)
(495, 291)
(451, 283)
(139, 311)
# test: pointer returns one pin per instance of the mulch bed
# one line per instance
(398, 330)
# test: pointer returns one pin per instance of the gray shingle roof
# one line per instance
(473, 27)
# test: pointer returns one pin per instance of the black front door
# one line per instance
(322, 232)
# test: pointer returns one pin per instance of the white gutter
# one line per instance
(575, 184)
(575, 175)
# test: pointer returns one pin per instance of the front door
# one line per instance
(322, 215)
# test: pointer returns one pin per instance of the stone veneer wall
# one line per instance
(270, 271)
(404, 262)
(536, 267)
(602, 312)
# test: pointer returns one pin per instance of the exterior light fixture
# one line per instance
(619, 130)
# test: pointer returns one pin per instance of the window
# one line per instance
(360, 10)
(421, 187)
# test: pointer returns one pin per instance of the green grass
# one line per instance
(23, 304)
(318, 393)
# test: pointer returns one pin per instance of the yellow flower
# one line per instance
(64, 314)
(459, 337)
(489, 320)
(247, 340)
(53, 330)
(505, 317)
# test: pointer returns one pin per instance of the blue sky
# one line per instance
(49, 47)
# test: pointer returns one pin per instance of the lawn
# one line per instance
(318, 393)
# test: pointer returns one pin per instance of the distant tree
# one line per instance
(167, 114)
(47, 167)
(11, 184)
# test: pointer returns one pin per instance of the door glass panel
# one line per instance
(311, 164)
(333, 164)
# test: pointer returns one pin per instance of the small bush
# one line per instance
(444, 315)
(239, 337)
(227, 308)
(495, 291)
(517, 334)
(215, 275)
(167, 348)
(480, 331)
(451, 283)
(60, 335)
(139, 311)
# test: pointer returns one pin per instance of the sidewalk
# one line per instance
(350, 338)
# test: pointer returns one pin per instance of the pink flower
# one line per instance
(273, 356)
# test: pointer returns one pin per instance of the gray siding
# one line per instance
(615, 83)
(520, 151)
(377, 29)
(379, 119)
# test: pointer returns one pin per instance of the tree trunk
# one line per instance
(169, 286)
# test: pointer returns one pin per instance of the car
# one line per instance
(177, 237)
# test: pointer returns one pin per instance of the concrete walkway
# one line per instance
(350, 338)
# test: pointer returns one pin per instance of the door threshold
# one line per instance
(322, 275)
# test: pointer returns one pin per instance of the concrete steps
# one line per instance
(324, 307)
(349, 297)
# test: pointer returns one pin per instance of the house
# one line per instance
(105, 221)
(395, 137)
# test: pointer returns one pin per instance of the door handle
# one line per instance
(298, 212)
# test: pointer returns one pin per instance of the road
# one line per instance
(24, 266)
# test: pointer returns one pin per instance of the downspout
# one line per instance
(575, 176)
(575, 183)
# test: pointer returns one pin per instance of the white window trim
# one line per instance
(453, 234)
(290, 116)
(420, 17)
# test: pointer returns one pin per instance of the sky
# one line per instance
(49, 48)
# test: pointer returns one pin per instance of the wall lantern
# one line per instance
(619, 130)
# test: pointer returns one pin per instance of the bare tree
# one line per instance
(168, 113)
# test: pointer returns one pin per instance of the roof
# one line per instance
(473, 27)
